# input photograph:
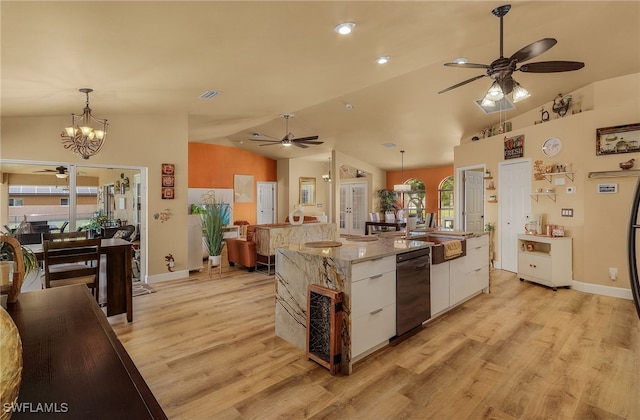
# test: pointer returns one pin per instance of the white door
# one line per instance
(515, 203)
(266, 206)
(353, 208)
(473, 201)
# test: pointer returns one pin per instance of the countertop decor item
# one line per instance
(627, 165)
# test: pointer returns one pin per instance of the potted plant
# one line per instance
(214, 216)
(95, 223)
(388, 203)
(8, 248)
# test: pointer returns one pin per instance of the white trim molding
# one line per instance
(174, 275)
(599, 289)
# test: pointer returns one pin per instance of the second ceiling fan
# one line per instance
(288, 138)
(502, 69)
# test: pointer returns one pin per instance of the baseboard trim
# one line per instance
(174, 275)
(598, 289)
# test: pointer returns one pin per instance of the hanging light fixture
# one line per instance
(402, 187)
(519, 93)
(80, 137)
(494, 93)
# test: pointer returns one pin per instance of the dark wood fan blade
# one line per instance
(301, 145)
(306, 141)
(468, 65)
(306, 138)
(272, 141)
(533, 50)
(462, 83)
(271, 144)
(551, 66)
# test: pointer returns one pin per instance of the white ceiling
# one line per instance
(269, 58)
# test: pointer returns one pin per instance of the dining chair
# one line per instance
(72, 262)
(29, 238)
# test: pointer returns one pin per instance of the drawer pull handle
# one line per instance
(375, 312)
(377, 276)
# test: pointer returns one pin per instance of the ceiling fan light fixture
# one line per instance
(494, 93)
(461, 60)
(488, 102)
(62, 175)
(519, 93)
(344, 28)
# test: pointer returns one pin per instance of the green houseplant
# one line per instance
(387, 201)
(214, 216)
(30, 260)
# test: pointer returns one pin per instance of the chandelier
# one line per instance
(80, 137)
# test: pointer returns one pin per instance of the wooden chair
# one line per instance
(64, 236)
(71, 262)
(13, 290)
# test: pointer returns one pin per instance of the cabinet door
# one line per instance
(372, 329)
(439, 287)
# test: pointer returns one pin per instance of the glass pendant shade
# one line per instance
(81, 138)
(519, 93)
(494, 93)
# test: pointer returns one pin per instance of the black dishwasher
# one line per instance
(413, 297)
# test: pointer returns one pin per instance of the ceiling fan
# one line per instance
(288, 139)
(60, 171)
(501, 69)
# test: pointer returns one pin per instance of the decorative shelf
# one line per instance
(491, 188)
(550, 175)
(488, 177)
(552, 196)
(492, 201)
(614, 174)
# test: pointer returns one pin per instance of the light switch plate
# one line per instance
(559, 181)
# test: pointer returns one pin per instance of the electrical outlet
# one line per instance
(571, 190)
(613, 273)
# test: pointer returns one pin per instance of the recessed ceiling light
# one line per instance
(344, 28)
(382, 60)
(388, 145)
(210, 94)
(461, 60)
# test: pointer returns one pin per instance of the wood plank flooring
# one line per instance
(207, 349)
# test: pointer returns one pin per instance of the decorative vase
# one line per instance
(389, 217)
(296, 217)
(11, 362)
(215, 260)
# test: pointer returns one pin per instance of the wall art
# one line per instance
(618, 139)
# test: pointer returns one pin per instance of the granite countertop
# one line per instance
(355, 250)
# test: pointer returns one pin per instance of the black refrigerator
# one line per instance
(632, 236)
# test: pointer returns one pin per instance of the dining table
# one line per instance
(118, 253)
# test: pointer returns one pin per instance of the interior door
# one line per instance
(515, 203)
(353, 208)
(473, 201)
(266, 207)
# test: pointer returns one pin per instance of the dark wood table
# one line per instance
(74, 362)
(396, 225)
(119, 274)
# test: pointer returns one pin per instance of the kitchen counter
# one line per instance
(340, 268)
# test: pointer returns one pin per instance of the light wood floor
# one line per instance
(206, 347)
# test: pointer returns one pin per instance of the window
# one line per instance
(16, 202)
(64, 202)
(445, 203)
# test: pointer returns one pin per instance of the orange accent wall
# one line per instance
(431, 177)
(213, 166)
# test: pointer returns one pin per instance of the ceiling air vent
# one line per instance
(503, 104)
(209, 94)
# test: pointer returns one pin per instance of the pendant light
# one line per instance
(402, 187)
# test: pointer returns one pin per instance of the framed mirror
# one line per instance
(307, 191)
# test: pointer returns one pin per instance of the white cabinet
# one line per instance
(439, 288)
(545, 260)
(469, 275)
(353, 208)
(373, 308)
(457, 280)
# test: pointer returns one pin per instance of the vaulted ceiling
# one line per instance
(269, 58)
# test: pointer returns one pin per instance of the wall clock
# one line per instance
(551, 146)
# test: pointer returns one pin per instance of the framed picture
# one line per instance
(618, 139)
(168, 168)
(167, 181)
(167, 193)
(243, 188)
(514, 147)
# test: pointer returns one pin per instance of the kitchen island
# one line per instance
(364, 270)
